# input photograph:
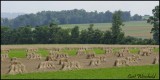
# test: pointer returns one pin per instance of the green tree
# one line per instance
(25, 35)
(97, 36)
(136, 17)
(63, 36)
(62, 17)
(53, 35)
(107, 37)
(41, 35)
(5, 32)
(90, 34)
(154, 20)
(117, 34)
(75, 34)
(83, 37)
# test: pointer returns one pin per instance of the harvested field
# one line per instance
(108, 61)
(68, 45)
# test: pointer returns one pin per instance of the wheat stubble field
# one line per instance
(81, 65)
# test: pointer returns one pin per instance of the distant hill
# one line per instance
(75, 16)
(10, 15)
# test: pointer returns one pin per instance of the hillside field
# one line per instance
(140, 29)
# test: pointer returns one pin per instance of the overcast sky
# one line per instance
(136, 7)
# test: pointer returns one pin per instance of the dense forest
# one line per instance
(74, 16)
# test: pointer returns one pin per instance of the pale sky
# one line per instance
(136, 7)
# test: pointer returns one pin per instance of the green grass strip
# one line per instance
(101, 73)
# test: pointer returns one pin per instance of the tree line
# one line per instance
(57, 35)
(53, 34)
(75, 16)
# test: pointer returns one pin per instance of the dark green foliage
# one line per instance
(41, 35)
(107, 38)
(75, 34)
(57, 35)
(154, 20)
(53, 34)
(133, 40)
(25, 34)
(83, 37)
(74, 16)
(5, 34)
(117, 34)
(136, 17)
(97, 36)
